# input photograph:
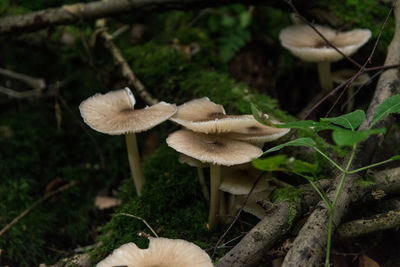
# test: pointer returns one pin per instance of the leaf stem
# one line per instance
(329, 159)
(370, 166)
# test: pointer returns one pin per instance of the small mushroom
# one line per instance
(239, 180)
(217, 151)
(302, 41)
(162, 252)
(113, 113)
(204, 116)
(343, 75)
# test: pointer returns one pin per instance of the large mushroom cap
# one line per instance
(162, 252)
(212, 148)
(113, 113)
(306, 44)
(200, 109)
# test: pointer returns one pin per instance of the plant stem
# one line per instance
(215, 181)
(331, 208)
(370, 166)
(329, 159)
(325, 78)
(134, 162)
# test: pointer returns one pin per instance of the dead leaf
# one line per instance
(365, 261)
(104, 202)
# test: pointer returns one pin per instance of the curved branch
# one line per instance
(69, 14)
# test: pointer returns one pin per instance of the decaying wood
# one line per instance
(379, 222)
(309, 246)
(255, 245)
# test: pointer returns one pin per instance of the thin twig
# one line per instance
(35, 83)
(34, 205)
(127, 72)
(139, 218)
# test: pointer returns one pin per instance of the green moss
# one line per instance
(291, 195)
(368, 14)
(171, 204)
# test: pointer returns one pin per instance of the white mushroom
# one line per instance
(162, 252)
(113, 113)
(302, 41)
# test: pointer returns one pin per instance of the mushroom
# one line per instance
(343, 75)
(217, 151)
(162, 252)
(257, 133)
(113, 113)
(202, 115)
(239, 180)
(302, 41)
(199, 166)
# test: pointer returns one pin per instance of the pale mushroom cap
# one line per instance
(162, 252)
(257, 133)
(302, 41)
(113, 113)
(239, 181)
(345, 74)
(212, 149)
(200, 109)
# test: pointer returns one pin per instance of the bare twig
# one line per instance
(78, 12)
(127, 72)
(37, 84)
(37, 203)
(141, 219)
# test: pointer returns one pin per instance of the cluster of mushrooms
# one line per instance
(211, 138)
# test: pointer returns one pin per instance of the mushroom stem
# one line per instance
(134, 162)
(215, 181)
(325, 77)
(203, 185)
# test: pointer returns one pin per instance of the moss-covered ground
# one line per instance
(45, 144)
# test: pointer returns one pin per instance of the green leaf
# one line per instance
(307, 124)
(308, 142)
(390, 105)
(348, 138)
(275, 163)
(397, 157)
(350, 121)
(260, 116)
(300, 166)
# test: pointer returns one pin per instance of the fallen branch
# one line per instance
(37, 203)
(37, 84)
(69, 14)
(126, 71)
(362, 227)
(255, 245)
(309, 246)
